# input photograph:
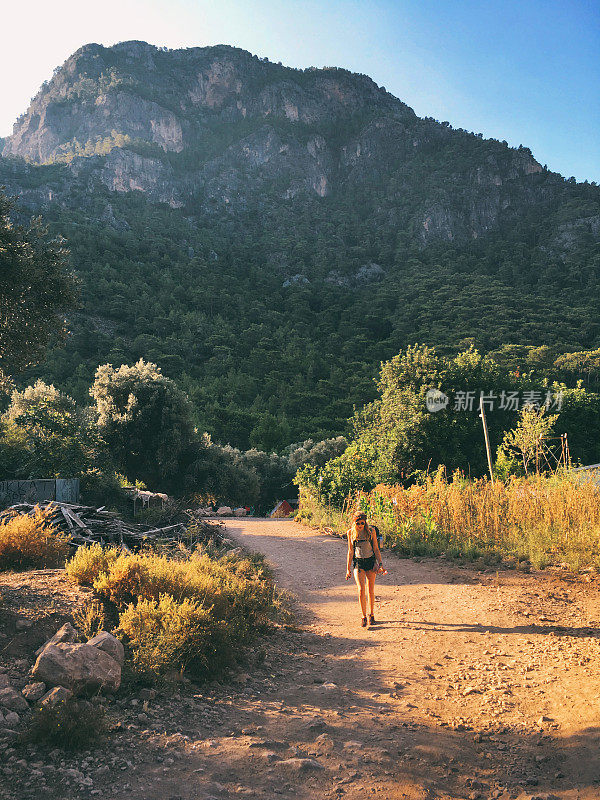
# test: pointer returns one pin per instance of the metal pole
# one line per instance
(487, 438)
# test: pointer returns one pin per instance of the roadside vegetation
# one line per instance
(191, 611)
(31, 543)
(422, 479)
(536, 520)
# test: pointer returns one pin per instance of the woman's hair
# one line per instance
(353, 529)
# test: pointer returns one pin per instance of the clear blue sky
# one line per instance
(527, 71)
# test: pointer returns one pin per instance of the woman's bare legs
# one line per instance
(371, 574)
(361, 580)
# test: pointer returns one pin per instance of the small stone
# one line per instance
(300, 764)
(57, 695)
(12, 699)
(33, 691)
(65, 634)
(11, 718)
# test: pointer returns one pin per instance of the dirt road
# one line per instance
(472, 685)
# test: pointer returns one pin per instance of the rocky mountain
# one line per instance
(269, 234)
(216, 125)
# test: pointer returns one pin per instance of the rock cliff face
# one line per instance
(216, 126)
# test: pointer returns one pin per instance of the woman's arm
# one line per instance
(349, 560)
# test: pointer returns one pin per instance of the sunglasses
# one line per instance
(360, 522)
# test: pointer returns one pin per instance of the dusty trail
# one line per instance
(473, 685)
(473, 682)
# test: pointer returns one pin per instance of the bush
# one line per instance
(167, 636)
(89, 562)
(239, 591)
(90, 619)
(31, 542)
(71, 724)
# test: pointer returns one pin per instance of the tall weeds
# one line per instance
(544, 520)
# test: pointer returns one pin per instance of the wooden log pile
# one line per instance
(88, 525)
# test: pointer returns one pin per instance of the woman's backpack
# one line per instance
(379, 535)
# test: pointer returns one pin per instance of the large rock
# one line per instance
(240, 512)
(109, 644)
(11, 718)
(79, 667)
(224, 511)
(65, 634)
(12, 699)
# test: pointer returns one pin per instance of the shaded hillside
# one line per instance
(268, 235)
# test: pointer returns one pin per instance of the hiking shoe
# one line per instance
(371, 619)
(364, 622)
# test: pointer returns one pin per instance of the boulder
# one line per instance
(224, 511)
(109, 644)
(57, 695)
(11, 718)
(240, 512)
(33, 691)
(79, 667)
(65, 634)
(12, 699)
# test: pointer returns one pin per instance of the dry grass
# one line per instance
(543, 519)
(72, 724)
(90, 618)
(189, 611)
(90, 562)
(31, 542)
(235, 589)
(167, 637)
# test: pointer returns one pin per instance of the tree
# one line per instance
(146, 421)
(45, 435)
(270, 433)
(525, 440)
(36, 289)
(216, 476)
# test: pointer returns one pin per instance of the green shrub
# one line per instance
(167, 636)
(71, 724)
(239, 591)
(89, 562)
(31, 543)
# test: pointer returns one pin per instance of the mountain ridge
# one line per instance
(153, 114)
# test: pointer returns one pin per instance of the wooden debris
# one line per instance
(88, 525)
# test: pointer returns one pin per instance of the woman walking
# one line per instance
(363, 556)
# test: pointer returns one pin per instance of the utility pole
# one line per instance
(486, 435)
